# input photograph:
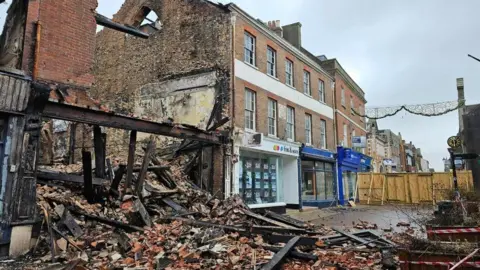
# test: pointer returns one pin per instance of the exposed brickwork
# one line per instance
(262, 41)
(195, 37)
(67, 41)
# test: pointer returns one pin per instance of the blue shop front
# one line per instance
(317, 183)
(349, 163)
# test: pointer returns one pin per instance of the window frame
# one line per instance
(323, 134)
(345, 135)
(321, 90)
(307, 89)
(291, 124)
(251, 50)
(352, 105)
(272, 116)
(274, 63)
(342, 93)
(252, 110)
(292, 73)
(308, 130)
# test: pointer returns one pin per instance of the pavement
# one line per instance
(385, 216)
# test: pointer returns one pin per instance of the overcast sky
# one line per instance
(398, 51)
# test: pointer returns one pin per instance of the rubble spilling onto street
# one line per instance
(181, 227)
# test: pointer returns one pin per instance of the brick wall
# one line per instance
(262, 41)
(350, 128)
(349, 95)
(67, 42)
(195, 37)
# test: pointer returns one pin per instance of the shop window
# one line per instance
(259, 182)
(318, 181)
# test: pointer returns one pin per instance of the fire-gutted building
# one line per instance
(46, 61)
(204, 60)
(181, 74)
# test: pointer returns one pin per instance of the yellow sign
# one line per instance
(454, 142)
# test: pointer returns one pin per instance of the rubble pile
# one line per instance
(172, 224)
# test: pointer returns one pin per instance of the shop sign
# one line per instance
(389, 162)
(285, 149)
(359, 141)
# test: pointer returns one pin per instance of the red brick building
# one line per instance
(349, 98)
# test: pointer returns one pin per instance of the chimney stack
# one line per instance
(275, 27)
(293, 34)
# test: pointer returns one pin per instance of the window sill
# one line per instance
(250, 130)
(272, 136)
(273, 77)
(290, 140)
(250, 65)
(293, 87)
(308, 95)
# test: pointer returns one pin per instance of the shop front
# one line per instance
(317, 183)
(349, 163)
(267, 172)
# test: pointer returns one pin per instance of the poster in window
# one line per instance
(272, 166)
(248, 164)
(265, 176)
(248, 181)
(265, 166)
(258, 176)
(248, 194)
(273, 176)
(257, 194)
(257, 165)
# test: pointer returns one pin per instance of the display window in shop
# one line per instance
(349, 184)
(259, 178)
(318, 182)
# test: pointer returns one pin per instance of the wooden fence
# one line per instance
(409, 188)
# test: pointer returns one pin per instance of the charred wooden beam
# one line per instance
(151, 168)
(87, 176)
(112, 120)
(99, 147)
(285, 219)
(118, 178)
(143, 170)
(293, 253)
(278, 258)
(110, 222)
(64, 177)
(104, 21)
(111, 174)
(206, 224)
(71, 151)
(355, 238)
(131, 158)
(174, 205)
(268, 220)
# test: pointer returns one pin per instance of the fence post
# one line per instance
(383, 187)
(370, 189)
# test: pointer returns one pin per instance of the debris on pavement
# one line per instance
(172, 224)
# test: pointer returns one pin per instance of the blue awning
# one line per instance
(316, 154)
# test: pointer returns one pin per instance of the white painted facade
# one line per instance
(252, 75)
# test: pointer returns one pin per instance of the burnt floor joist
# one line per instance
(108, 119)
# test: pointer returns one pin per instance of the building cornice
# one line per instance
(281, 41)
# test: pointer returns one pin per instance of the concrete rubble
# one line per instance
(180, 227)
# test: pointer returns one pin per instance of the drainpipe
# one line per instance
(232, 99)
(335, 139)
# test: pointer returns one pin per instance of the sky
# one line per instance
(398, 51)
